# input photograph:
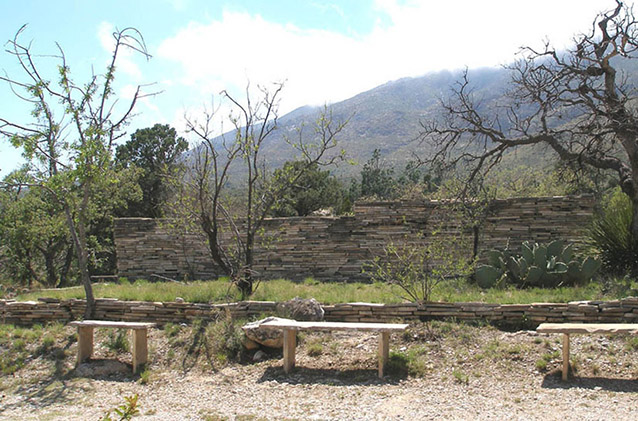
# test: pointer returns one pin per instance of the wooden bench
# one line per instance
(587, 328)
(139, 333)
(290, 328)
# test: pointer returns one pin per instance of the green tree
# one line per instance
(314, 190)
(36, 241)
(155, 151)
(70, 138)
(376, 179)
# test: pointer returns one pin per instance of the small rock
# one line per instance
(259, 356)
(179, 300)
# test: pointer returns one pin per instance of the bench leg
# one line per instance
(565, 355)
(140, 348)
(85, 343)
(384, 351)
(290, 343)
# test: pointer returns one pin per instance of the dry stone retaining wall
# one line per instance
(337, 248)
(52, 310)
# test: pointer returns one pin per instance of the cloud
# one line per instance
(410, 38)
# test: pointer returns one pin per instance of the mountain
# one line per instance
(388, 118)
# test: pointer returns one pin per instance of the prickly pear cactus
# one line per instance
(538, 265)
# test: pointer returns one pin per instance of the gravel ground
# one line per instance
(463, 373)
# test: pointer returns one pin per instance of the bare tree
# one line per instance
(70, 141)
(576, 102)
(231, 224)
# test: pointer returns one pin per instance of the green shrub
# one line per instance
(145, 376)
(9, 364)
(314, 347)
(610, 235)
(398, 363)
(117, 341)
(46, 345)
(417, 267)
(225, 339)
(541, 364)
(171, 330)
(460, 377)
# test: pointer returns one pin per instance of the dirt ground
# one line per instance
(438, 371)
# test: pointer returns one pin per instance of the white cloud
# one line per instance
(322, 66)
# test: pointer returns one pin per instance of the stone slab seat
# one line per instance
(290, 327)
(584, 328)
(139, 332)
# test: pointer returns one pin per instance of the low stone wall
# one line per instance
(51, 310)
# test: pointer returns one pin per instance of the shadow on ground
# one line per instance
(62, 384)
(301, 375)
(554, 381)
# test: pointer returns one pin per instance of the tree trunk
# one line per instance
(78, 234)
(66, 268)
(246, 281)
(49, 262)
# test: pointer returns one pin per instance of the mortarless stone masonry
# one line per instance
(52, 310)
(336, 249)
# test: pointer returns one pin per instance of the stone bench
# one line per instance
(290, 328)
(583, 328)
(139, 333)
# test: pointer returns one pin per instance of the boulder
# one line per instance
(272, 338)
(249, 344)
(301, 309)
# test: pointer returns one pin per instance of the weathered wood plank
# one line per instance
(85, 343)
(110, 324)
(384, 352)
(369, 327)
(140, 348)
(290, 344)
(565, 355)
(597, 328)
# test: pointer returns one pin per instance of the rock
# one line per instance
(100, 368)
(179, 300)
(323, 212)
(259, 356)
(272, 338)
(301, 309)
(249, 344)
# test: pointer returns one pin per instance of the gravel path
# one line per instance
(342, 385)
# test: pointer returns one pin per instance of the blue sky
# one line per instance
(325, 51)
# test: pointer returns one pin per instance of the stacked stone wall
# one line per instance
(337, 249)
(51, 310)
